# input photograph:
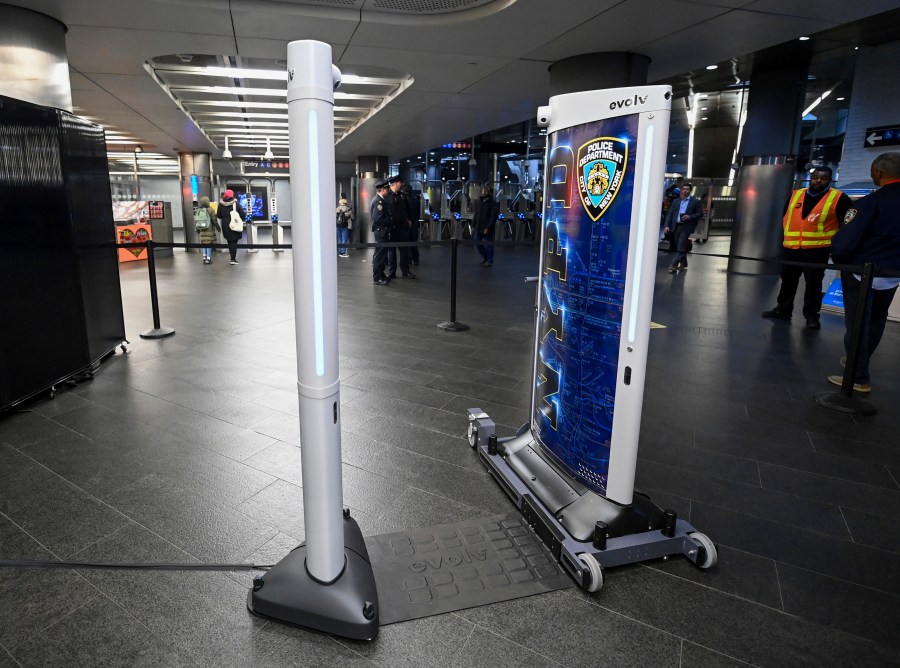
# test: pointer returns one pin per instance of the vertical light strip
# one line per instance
(690, 165)
(737, 147)
(316, 228)
(642, 229)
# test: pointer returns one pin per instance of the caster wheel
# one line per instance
(709, 557)
(595, 571)
(472, 434)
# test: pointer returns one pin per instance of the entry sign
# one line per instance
(888, 135)
(604, 185)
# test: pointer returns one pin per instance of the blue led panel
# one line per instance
(586, 228)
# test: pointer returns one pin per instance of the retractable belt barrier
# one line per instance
(844, 401)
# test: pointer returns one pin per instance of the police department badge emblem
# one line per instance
(849, 216)
(601, 171)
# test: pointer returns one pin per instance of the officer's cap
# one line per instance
(394, 179)
(381, 184)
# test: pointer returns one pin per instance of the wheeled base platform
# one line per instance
(347, 607)
(583, 530)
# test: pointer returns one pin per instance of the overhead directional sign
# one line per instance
(888, 135)
(265, 167)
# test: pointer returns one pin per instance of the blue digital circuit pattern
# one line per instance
(583, 267)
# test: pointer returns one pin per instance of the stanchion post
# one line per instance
(844, 401)
(158, 331)
(452, 325)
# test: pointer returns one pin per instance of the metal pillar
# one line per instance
(191, 166)
(41, 77)
(768, 163)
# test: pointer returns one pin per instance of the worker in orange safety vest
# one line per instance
(811, 219)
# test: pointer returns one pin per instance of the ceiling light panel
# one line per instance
(224, 99)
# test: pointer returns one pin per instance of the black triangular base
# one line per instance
(348, 607)
(838, 402)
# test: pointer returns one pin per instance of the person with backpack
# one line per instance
(232, 226)
(344, 221)
(206, 223)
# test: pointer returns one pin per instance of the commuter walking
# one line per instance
(811, 219)
(870, 233)
(680, 221)
(344, 222)
(381, 225)
(232, 226)
(398, 207)
(484, 223)
(206, 224)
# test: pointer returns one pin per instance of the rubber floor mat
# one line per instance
(449, 567)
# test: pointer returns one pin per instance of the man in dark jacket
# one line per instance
(226, 205)
(684, 213)
(399, 211)
(870, 233)
(484, 222)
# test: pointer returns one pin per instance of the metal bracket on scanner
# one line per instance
(585, 532)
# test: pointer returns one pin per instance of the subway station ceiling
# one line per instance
(419, 73)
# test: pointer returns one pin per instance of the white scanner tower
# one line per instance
(326, 583)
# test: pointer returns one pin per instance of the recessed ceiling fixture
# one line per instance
(804, 39)
(712, 67)
(209, 90)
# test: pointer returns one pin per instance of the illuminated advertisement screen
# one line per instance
(256, 203)
(587, 220)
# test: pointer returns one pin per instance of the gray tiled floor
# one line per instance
(188, 449)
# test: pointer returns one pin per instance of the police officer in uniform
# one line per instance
(870, 233)
(381, 225)
(398, 206)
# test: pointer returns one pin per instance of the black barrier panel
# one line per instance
(60, 301)
(86, 174)
(42, 337)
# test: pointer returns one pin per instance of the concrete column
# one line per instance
(595, 71)
(768, 156)
(34, 66)
(370, 169)
(876, 96)
(193, 166)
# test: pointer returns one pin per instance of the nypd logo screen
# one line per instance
(586, 231)
(601, 166)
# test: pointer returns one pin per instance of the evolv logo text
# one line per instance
(630, 102)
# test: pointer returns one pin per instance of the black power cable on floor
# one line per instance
(24, 563)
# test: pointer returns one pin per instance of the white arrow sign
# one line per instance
(872, 138)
